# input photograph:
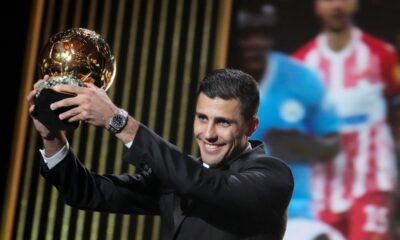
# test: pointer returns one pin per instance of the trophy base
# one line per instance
(49, 117)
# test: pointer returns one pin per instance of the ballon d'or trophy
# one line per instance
(75, 57)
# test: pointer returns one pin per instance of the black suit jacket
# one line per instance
(244, 198)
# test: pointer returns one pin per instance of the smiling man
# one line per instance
(219, 133)
(233, 191)
(225, 116)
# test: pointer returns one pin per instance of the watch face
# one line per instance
(118, 121)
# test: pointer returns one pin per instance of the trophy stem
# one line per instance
(49, 117)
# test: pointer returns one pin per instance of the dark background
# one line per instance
(14, 27)
(297, 25)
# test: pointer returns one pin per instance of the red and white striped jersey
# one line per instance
(359, 78)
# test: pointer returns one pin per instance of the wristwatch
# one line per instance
(118, 121)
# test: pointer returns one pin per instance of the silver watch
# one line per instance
(118, 121)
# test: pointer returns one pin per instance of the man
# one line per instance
(355, 190)
(296, 123)
(233, 191)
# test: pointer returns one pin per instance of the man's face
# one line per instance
(253, 47)
(220, 129)
(336, 15)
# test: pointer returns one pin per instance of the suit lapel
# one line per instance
(178, 212)
(182, 208)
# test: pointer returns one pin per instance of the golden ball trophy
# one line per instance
(75, 57)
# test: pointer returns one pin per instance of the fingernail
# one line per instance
(52, 106)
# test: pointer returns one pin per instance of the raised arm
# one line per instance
(86, 190)
(83, 189)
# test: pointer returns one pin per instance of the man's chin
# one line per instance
(211, 161)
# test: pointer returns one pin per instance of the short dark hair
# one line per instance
(233, 84)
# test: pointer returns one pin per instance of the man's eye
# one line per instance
(224, 124)
(201, 118)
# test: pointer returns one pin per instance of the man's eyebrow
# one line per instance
(223, 119)
(217, 119)
(200, 114)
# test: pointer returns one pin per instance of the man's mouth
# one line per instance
(212, 147)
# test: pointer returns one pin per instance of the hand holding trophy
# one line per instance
(73, 57)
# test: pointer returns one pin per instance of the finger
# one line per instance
(69, 89)
(94, 88)
(31, 109)
(91, 86)
(70, 113)
(45, 78)
(31, 96)
(38, 82)
(76, 118)
(66, 102)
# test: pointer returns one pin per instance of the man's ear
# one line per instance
(253, 124)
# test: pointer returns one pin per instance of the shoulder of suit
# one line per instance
(257, 158)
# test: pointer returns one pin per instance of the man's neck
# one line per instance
(338, 40)
(242, 149)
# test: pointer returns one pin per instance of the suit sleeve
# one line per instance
(131, 194)
(263, 187)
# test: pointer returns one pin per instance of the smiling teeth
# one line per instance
(211, 146)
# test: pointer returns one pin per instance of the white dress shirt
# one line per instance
(61, 154)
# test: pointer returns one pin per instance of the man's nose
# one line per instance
(210, 134)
